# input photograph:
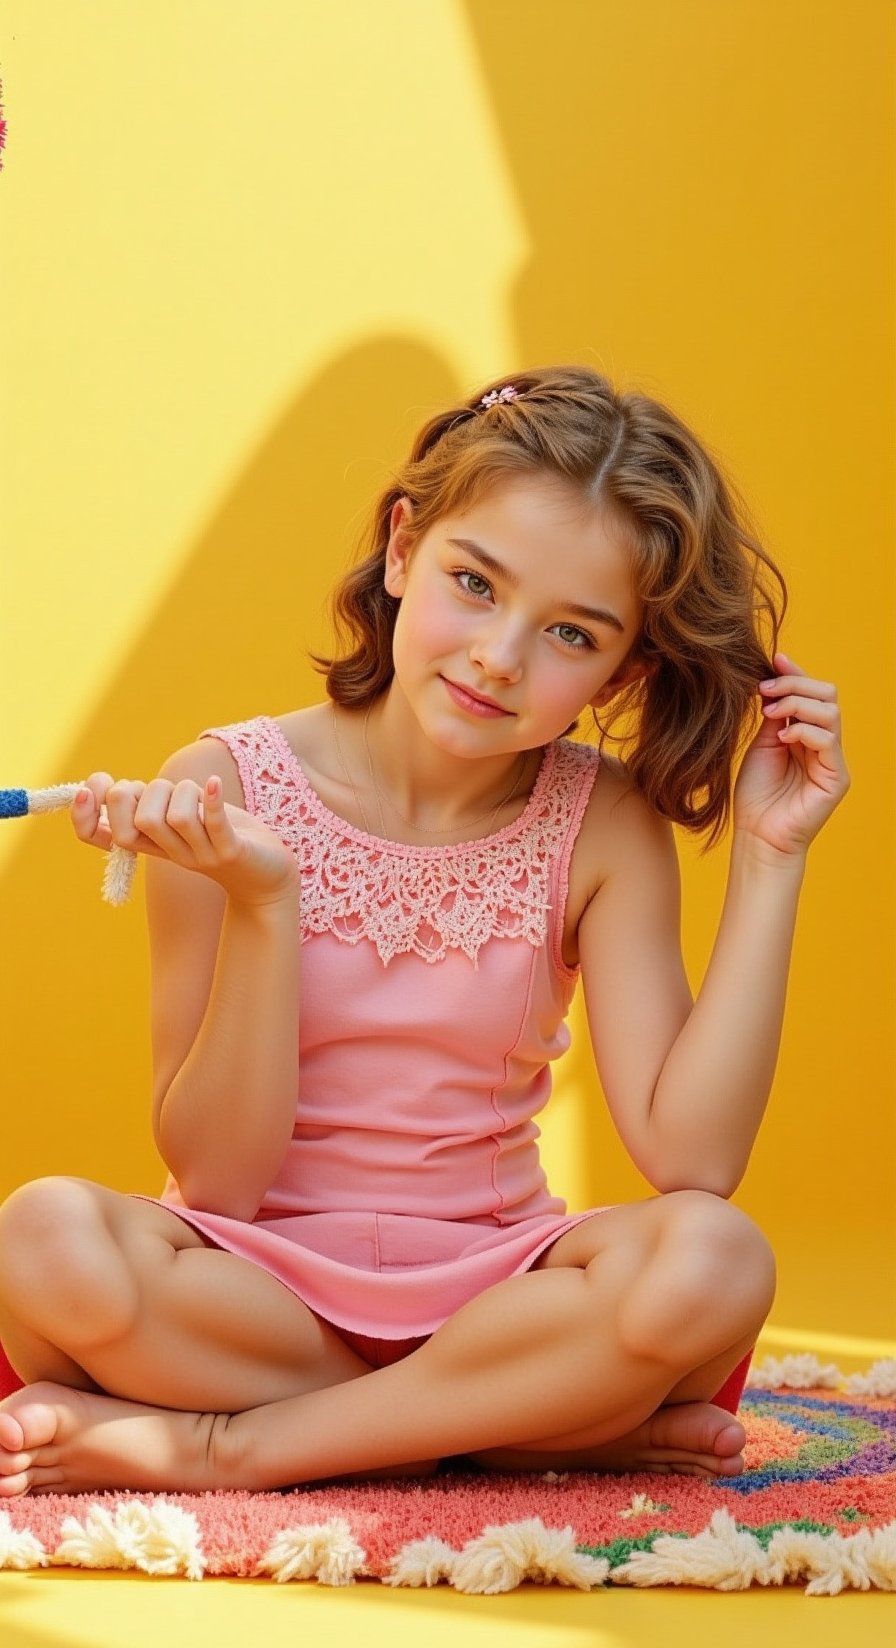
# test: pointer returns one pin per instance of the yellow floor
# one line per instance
(73, 1610)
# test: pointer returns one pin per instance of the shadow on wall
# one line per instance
(229, 640)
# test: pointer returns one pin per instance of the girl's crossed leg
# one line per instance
(639, 1309)
(104, 1291)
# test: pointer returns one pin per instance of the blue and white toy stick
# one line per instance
(118, 877)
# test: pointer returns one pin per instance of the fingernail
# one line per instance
(81, 797)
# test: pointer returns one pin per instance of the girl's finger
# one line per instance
(170, 815)
(218, 820)
(87, 816)
(820, 741)
(89, 823)
(174, 812)
(823, 711)
(804, 684)
(213, 808)
(121, 805)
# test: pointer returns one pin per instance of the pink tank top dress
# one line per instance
(433, 1000)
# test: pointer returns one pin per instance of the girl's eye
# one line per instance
(572, 636)
(473, 583)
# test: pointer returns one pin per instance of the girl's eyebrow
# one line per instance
(598, 615)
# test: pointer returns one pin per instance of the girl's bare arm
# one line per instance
(223, 915)
(688, 1086)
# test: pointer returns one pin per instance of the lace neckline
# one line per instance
(383, 843)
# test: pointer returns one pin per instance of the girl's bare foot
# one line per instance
(689, 1439)
(57, 1440)
(686, 1438)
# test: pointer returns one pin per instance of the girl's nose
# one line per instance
(498, 653)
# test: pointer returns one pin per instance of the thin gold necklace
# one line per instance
(449, 829)
(420, 829)
(348, 777)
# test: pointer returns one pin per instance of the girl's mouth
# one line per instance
(473, 702)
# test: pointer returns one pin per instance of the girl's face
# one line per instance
(514, 616)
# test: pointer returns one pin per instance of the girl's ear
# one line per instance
(398, 549)
(634, 668)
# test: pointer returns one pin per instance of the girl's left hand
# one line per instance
(793, 774)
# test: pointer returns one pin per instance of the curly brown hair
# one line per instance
(713, 599)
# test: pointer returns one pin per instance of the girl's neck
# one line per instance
(408, 788)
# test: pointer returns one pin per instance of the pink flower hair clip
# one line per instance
(495, 396)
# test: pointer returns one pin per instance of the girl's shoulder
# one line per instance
(616, 810)
(621, 834)
(309, 734)
(209, 756)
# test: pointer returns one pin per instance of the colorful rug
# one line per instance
(816, 1504)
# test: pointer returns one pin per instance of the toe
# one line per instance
(731, 1439)
(11, 1487)
(12, 1437)
(23, 1431)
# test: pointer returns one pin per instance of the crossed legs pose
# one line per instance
(605, 1356)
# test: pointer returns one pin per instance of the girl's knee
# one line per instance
(711, 1267)
(702, 1215)
(718, 1244)
(45, 1211)
(53, 1236)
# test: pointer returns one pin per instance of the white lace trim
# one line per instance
(407, 900)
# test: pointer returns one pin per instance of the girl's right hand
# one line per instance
(192, 826)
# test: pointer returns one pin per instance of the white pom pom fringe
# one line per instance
(157, 1538)
(726, 1558)
(326, 1551)
(19, 1549)
(796, 1372)
(880, 1380)
(500, 1559)
(807, 1373)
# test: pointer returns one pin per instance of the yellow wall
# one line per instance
(251, 245)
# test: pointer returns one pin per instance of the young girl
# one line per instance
(382, 904)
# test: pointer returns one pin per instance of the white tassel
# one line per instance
(324, 1551)
(795, 1372)
(157, 1538)
(422, 1562)
(722, 1557)
(18, 1548)
(835, 1562)
(502, 1558)
(880, 1380)
(727, 1558)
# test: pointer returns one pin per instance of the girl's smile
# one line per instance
(473, 702)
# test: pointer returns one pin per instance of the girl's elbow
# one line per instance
(714, 1181)
(203, 1193)
(225, 1202)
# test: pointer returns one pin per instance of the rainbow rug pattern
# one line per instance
(816, 1505)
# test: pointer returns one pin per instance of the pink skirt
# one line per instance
(386, 1281)
(382, 1275)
